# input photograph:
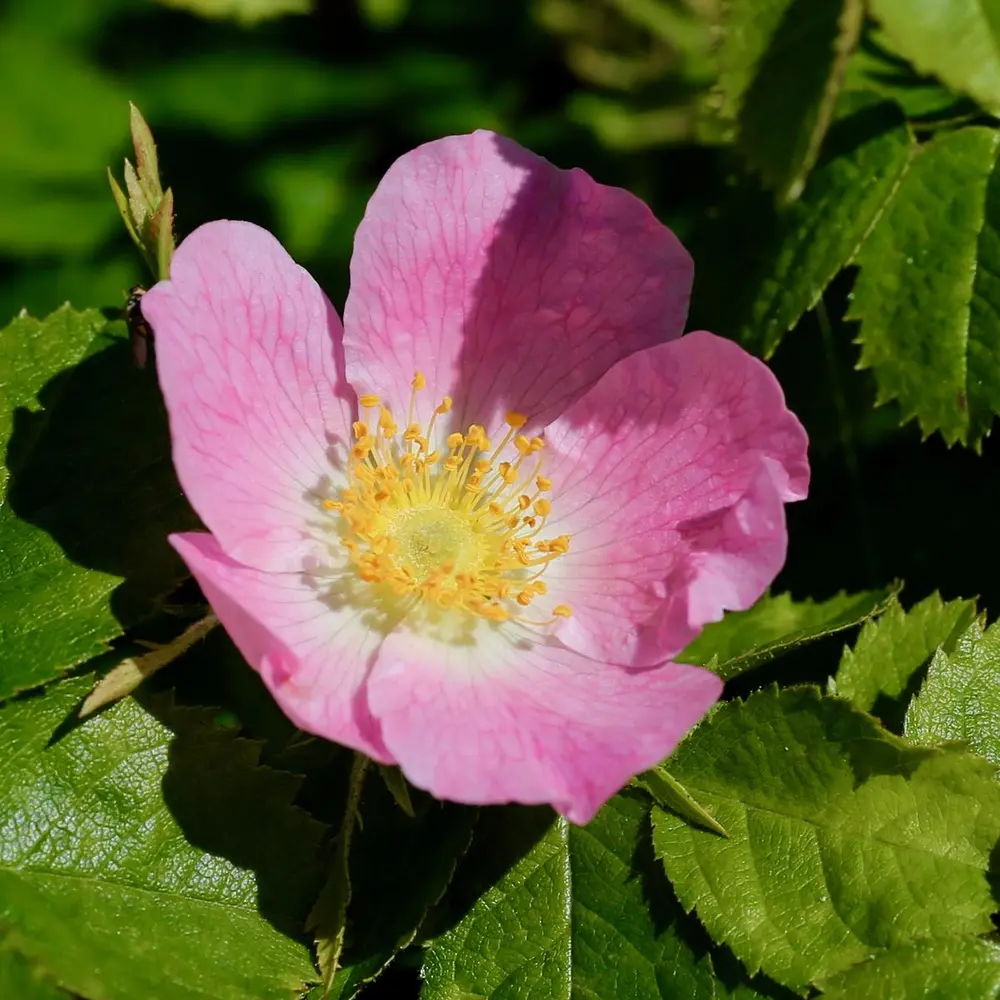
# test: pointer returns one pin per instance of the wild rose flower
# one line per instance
(467, 530)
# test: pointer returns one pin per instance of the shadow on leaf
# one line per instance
(91, 467)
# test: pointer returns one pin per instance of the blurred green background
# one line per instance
(291, 121)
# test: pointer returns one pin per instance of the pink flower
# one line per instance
(467, 530)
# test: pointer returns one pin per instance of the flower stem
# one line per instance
(328, 918)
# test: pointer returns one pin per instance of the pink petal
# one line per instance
(313, 656)
(249, 356)
(670, 475)
(511, 284)
(510, 722)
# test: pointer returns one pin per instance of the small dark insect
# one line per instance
(140, 334)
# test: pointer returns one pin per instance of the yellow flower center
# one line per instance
(458, 527)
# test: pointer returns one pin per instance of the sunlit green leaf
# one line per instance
(929, 289)
(957, 40)
(960, 697)
(844, 841)
(892, 648)
(876, 66)
(147, 855)
(947, 969)
(560, 912)
(775, 625)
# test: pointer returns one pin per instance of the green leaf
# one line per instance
(83, 526)
(844, 841)
(957, 40)
(747, 29)
(928, 293)
(776, 625)
(877, 67)
(891, 649)
(247, 12)
(410, 860)
(947, 969)
(21, 979)
(139, 863)
(765, 267)
(960, 697)
(558, 911)
(789, 105)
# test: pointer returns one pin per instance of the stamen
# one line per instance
(456, 529)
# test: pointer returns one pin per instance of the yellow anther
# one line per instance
(453, 528)
(363, 446)
(560, 544)
(562, 611)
